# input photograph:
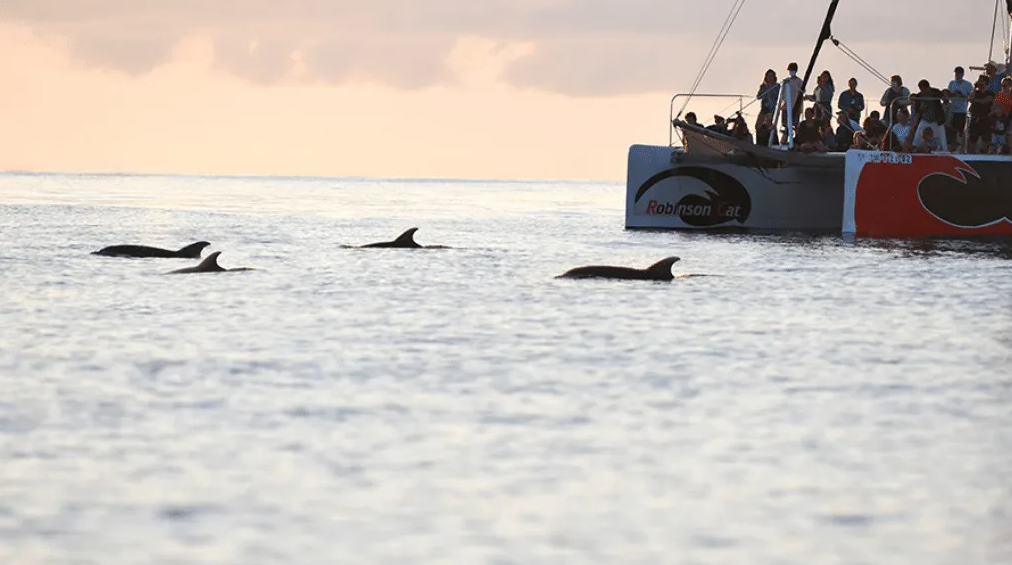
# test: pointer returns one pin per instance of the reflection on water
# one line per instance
(815, 400)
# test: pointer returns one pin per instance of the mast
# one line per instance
(1008, 54)
(823, 36)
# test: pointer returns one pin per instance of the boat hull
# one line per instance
(715, 193)
(891, 195)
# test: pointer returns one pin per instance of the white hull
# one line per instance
(716, 193)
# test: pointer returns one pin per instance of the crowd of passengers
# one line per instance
(964, 117)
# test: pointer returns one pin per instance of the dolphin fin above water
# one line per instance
(191, 251)
(208, 265)
(659, 271)
(404, 241)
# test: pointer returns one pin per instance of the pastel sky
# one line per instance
(501, 89)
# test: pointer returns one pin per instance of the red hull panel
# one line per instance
(890, 195)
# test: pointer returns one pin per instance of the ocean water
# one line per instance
(813, 401)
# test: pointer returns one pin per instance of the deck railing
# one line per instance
(671, 114)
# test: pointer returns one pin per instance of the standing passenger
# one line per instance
(769, 93)
(896, 92)
(959, 90)
(852, 101)
(793, 105)
(823, 98)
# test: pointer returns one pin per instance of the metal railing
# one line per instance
(909, 101)
(671, 113)
(782, 98)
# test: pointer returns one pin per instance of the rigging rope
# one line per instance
(857, 59)
(994, 27)
(718, 42)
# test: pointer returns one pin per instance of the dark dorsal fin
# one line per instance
(662, 268)
(210, 263)
(193, 250)
(407, 239)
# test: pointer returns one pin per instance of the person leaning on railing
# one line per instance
(928, 113)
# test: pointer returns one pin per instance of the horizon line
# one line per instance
(16, 172)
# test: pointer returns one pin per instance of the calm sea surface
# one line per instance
(817, 401)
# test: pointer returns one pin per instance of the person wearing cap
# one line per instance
(719, 125)
(959, 90)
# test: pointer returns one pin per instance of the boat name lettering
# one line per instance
(889, 158)
(723, 210)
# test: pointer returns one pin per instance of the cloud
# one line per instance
(580, 47)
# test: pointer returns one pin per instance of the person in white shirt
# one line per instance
(959, 90)
(792, 105)
(898, 137)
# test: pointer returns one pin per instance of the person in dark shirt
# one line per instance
(768, 94)
(719, 125)
(852, 101)
(843, 138)
(928, 112)
(999, 129)
(874, 129)
(809, 137)
(764, 129)
(981, 101)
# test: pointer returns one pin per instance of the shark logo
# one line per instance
(725, 200)
(961, 196)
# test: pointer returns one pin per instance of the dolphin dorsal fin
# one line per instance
(210, 263)
(193, 249)
(407, 238)
(662, 268)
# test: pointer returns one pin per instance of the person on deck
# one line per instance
(897, 137)
(852, 101)
(740, 130)
(792, 105)
(927, 143)
(846, 128)
(898, 93)
(769, 93)
(999, 129)
(1004, 96)
(823, 98)
(719, 125)
(809, 137)
(959, 90)
(994, 78)
(764, 129)
(874, 129)
(981, 100)
(928, 112)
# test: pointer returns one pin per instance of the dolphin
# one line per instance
(191, 251)
(404, 241)
(659, 271)
(208, 265)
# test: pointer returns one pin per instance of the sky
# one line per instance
(491, 89)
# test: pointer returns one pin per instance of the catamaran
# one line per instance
(714, 182)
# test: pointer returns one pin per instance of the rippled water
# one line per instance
(816, 401)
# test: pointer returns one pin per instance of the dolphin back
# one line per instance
(135, 251)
